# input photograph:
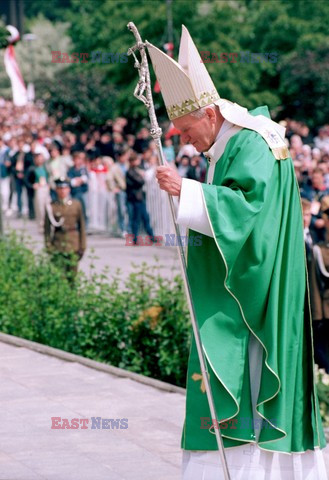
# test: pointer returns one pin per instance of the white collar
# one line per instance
(212, 153)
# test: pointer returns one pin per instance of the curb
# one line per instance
(102, 367)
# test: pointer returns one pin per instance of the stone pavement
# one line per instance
(37, 387)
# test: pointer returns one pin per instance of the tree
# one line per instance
(304, 85)
(102, 25)
(54, 11)
(293, 30)
(297, 30)
(34, 57)
(5, 87)
(78, 98)
(3, 35)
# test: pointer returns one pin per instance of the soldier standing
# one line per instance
(65, 233)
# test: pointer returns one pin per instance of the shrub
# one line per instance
(322, 383)
(140, 323)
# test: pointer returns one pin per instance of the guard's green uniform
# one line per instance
(65, 242)
(250, 279)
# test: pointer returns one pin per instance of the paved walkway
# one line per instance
(104, 251)
(37, 387)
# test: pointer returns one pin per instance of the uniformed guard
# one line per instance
(65, 233)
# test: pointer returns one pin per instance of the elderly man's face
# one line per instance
(200, 132)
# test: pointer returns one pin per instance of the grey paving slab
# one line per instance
(67, 464)
(37, 387)
(10, 469)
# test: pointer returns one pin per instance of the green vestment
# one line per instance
(250, 279)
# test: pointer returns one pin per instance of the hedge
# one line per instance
(140, 323)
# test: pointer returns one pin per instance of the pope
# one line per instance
(248, 284)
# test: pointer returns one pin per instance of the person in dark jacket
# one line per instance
(319, 292)
(20, 163)
(78, 175)
(314, 192)
(196, 171)
(136, 198)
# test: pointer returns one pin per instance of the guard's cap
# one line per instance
(62, 182)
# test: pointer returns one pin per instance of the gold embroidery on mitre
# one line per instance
(196, 377)
(191, 105)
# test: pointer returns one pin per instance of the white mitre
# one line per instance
(186, 86)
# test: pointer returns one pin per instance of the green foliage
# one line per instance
(79, 96)
(35, 59)
(54, 10)
(3, 35)
(280, 26)
(322, 383)
(70, 92)
(34, 56)
(5, 89)
(305, 83)
(295, 30)
(102, 25)
(140, 324)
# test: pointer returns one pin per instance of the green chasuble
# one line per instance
(250, 279)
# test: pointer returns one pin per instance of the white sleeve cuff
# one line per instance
(192, 212)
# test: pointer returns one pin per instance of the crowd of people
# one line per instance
(310, 154)
(111, 170)
(111, 167)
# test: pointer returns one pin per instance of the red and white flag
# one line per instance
(172, 130)
(14, 73)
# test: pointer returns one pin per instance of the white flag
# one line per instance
(14, 73)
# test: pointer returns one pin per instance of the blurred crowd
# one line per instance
(310, 155)
(111, 167)
(111, 170)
